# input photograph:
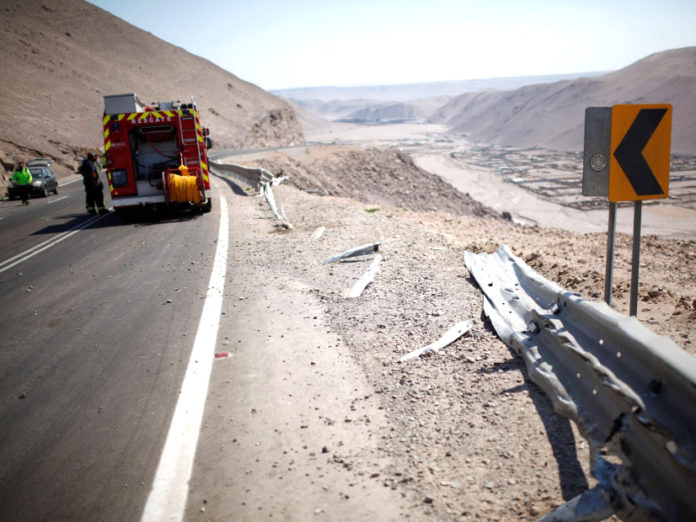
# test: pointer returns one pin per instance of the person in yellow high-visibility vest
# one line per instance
(22, 178)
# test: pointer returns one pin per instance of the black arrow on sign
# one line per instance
(629, 153)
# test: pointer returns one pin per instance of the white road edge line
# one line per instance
(31, 252)
(57, 199)
(168, 496)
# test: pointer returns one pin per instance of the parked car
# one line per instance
(43, 182)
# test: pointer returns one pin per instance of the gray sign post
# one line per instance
(595, 177)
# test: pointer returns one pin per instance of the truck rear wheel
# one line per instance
(207, 206)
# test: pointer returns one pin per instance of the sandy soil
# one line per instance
(317, 417)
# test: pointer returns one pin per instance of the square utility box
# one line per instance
(122, 104)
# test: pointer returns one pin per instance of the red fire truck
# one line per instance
(155, 155)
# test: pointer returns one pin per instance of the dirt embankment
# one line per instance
(375, 175)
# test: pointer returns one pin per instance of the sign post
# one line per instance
(611, 242)
(635, 259)
(627, 151)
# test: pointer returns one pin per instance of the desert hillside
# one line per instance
(61, 57)
(416, 110)
(553, 115)
(414, 91)
(404, 102)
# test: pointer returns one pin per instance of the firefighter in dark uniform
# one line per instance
(94, 197)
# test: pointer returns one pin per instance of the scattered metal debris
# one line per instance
(318, 232)
(452, 335)
(267, 193)
(353, 252)
(366, 278)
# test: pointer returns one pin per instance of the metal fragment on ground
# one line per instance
(267, 193)
(366, 278)
(452, 335)
(318, 232)
(363, 250)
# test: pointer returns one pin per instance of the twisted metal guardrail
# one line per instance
(261, 180)
(631, 392)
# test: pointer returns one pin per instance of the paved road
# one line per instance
(97, 328)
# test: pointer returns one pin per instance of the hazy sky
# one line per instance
(302, 43)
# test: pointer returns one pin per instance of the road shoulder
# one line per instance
(292, 427)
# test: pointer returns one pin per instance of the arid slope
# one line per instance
(61, 57)
(553, 115)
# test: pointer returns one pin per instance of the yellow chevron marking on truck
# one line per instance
(107, 145)
(106, 119)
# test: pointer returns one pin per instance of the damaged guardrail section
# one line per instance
(261, 180)
(631, 392)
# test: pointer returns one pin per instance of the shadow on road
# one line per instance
(148, 217)
(135, 217)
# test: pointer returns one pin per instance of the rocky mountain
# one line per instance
(415, 91)
(417, 110)
(333, 109)
(553, 115)
(399, 103)
(60, 57)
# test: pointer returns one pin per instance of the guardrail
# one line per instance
(261, 180)
(631, 392)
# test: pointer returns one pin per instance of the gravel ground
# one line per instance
(467, 435)
(462, 434)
